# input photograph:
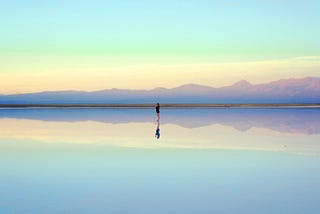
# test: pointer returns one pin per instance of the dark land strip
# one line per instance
(166, 105)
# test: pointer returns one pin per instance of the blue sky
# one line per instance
(234, 29)
(61, 39)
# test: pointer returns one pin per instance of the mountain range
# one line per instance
(304, 90)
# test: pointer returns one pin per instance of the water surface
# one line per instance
(205, 161)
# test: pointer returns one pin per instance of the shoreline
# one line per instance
(167, 105)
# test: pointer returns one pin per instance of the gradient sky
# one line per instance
(91, 45)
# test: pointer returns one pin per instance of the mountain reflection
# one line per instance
(286, 120)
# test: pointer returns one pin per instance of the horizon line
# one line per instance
(167, 105)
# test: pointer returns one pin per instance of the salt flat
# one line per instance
(225, 160)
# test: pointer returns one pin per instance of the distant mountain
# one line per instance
(305, 90)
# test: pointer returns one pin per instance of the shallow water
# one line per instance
(205, 161)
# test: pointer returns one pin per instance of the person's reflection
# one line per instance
(157, 134)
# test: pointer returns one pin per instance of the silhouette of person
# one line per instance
(157, 134)
(158, 110)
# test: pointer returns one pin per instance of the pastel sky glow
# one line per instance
(92, 45)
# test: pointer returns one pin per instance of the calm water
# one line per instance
(205, 161)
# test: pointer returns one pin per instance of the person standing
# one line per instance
(158, 110)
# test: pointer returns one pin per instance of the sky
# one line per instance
(93, 45)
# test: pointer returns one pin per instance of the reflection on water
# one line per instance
(206, 161)
(288, 120)
(157, 134)
(286, 130)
